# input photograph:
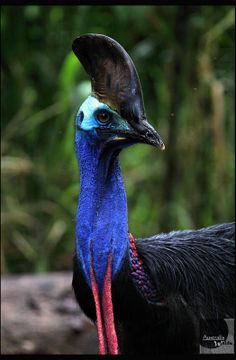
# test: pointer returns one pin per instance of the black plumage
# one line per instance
(193, 271)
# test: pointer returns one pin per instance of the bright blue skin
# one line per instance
(101, 219)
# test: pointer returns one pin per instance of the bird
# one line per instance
(145, 296)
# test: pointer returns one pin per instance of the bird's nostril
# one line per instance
(149, 134)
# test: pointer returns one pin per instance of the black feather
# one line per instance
(195, 264)
(194, 274)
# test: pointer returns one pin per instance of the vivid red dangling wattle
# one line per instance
(108, 343)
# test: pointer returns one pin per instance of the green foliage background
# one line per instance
(185, 59)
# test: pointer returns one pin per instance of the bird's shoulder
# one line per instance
(195, 267)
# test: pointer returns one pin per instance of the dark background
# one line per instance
(185, 59)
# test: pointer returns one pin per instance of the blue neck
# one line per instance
(101, 220)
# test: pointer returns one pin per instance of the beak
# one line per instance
(142, 132)
(145, 133)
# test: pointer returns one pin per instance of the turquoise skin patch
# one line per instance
(89, 122)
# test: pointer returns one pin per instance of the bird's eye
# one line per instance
(103, 116)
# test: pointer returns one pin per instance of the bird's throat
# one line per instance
(101, 221)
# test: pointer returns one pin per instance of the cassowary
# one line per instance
(146, 296)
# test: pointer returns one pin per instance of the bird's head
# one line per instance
(113, 114)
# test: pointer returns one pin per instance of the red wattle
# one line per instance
(107, 307)
(101, 340)
(107, 337)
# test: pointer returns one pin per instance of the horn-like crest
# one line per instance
(113, 75)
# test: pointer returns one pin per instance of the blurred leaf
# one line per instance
(67, 77)
(15, 166)
(24, 247)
